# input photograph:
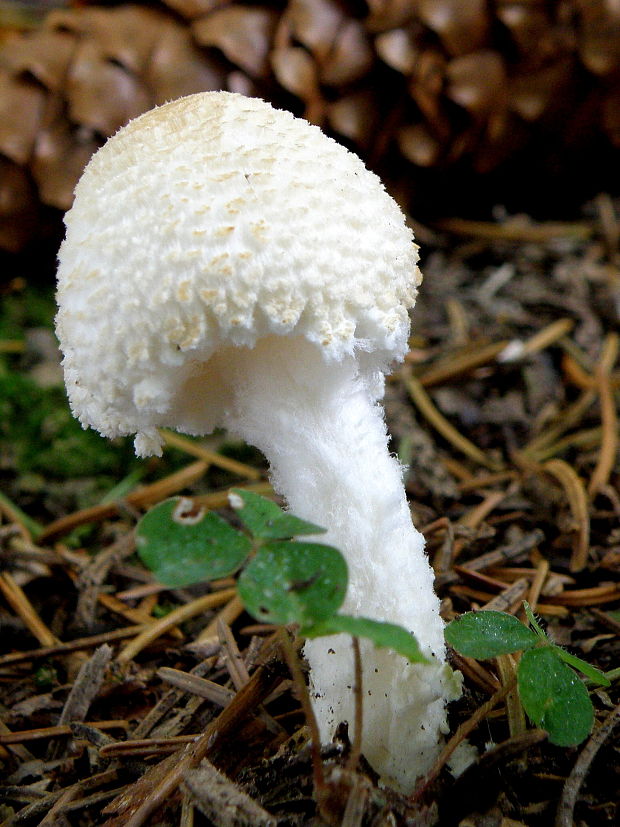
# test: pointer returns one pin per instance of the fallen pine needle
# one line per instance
(157, 629)
(71, 646)
(139, 616)
(568, 418)
(542, 571)
(15, 596)
(426, 407)
(19, 736)
(475, 516)
(461, 363)
(485, 481)
(227, 615)
(28, 527)
(219, 499)
(516, 229)
(580, 377)
(518, 349)
(212, 457)
(146, 746)
(142, 497)
(587, 597)
(578, 503)
(609, 417)
(476, 672)
(585, 439)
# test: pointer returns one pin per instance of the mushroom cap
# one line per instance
(214, 221)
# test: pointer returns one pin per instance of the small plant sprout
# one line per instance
(229, 265)
(284, 580)
(552, 694)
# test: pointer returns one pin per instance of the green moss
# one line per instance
(25, 309)
(39, 434)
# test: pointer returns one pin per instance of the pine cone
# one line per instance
(448, 86)
(70, 84)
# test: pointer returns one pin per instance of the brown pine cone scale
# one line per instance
(409, 84)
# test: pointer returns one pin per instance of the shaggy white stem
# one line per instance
(323, 433)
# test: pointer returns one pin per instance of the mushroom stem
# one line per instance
(322, 430)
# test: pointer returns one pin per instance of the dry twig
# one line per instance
(568, 800)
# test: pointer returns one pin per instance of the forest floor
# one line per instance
(505, 412)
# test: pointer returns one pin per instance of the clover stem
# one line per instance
(533, 622)
(356, 746)
(292, 660)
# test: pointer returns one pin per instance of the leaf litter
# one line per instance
(123, 702)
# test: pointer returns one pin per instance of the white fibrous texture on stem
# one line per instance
(322, 429)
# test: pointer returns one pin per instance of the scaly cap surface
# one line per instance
(216, 220)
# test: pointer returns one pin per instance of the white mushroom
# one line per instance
(227, 264)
